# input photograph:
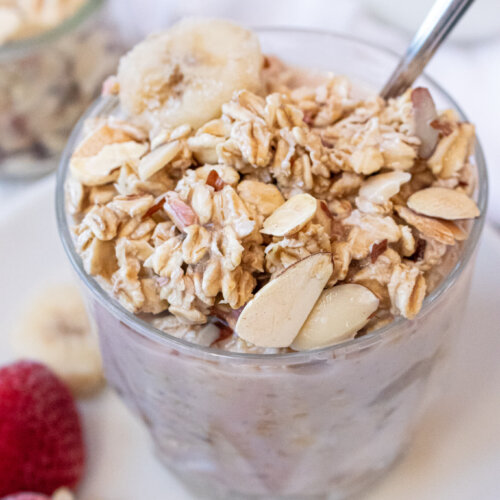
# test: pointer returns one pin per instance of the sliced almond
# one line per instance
(459, 232)
(277, 312)
(444, 203)
(157, 159)
(338, 315)
(100, 137)
(381, 188)
(440, 230)
(292, 216)
(424, 112)
(265, 197)
(98, 169)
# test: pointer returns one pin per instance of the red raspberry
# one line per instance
(41, 444)
(26, 496)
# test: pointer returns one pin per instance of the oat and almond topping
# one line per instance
(250, 214)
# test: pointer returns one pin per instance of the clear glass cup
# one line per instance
(46, 83)
(318, 424)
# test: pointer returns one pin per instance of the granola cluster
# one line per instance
(188, 224)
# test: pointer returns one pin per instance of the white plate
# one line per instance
(456, 453)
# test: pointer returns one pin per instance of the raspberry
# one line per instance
(41, 443)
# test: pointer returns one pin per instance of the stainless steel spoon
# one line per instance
(441, 19)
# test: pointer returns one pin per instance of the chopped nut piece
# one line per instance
(443, 203)
(419, 250)
(154, 208)
(214, 180)
(378, 249)
(228, 174)
(442, 126)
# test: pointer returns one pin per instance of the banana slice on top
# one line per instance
(186, 73)
(55, 330)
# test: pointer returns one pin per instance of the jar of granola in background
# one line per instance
(48, 76)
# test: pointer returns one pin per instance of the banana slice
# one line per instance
(185, 74)
(55, 330)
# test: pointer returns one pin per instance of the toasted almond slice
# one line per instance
(338, 314)
(424, 112)
(277, 312)
(266, 197)
(100, 137)
(381, 188)
(444, 203)
(459, 232)
(292, 216)
(157, 159)
(98, 169)
(439, 230)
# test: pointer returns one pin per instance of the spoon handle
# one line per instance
(441, 19)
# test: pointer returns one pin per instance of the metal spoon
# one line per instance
(441, 19)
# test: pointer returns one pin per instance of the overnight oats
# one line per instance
(54, 55)
(278, 258)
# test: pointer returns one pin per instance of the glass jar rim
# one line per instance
(21, 46)
(156, 335)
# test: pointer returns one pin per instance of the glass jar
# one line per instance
(46, 82)
(303, 425)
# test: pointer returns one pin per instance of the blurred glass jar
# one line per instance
(47, 81)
